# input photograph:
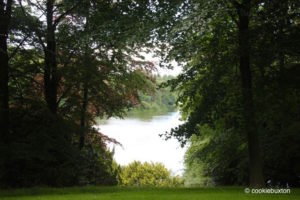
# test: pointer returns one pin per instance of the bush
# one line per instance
(148, 174)
(40, 150)
(97, 167)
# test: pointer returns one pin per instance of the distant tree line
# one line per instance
(158, 101)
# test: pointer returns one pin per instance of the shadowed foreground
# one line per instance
(111, 193)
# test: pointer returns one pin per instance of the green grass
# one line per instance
(121, 193)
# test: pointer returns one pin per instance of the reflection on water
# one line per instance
(141, 141)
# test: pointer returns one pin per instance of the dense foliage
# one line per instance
(69, 62)
(64, 63)
(238, 91)
(159, 101)
(148, 174)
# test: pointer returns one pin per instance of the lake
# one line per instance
(140, 140)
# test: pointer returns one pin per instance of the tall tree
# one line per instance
(107, 76)
(5, 16)
(51, 79)
(55, 12)
(85, 85)
(251, 129)
(212, 40)
(50, 74)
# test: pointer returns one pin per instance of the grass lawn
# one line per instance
(121, 193)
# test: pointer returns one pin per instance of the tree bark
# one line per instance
(5, 15)
(86, 64)
(50, 73)
(83, 116)
(5, 150)
(255, 165)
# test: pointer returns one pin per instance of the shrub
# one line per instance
(40, 150)
(148, 174)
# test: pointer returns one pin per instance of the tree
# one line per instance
(5, 16)
(54, 12)
(83, 55)
(243, 12)
(216, 157)
(81, 62)
(101, 76)
(242, 43)
(216, 42)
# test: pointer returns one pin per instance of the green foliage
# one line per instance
(216, 157)
(147, 174)
(81, 59)
(159, 101)
(203, 37)
(97, 167)
(44, 153)
(96, 69)
(42, 150)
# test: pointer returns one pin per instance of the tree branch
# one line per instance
(38, 33)
(37, 5)
(57, 20)
(64, 93)
(17, 48)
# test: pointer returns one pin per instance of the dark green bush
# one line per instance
(40, 150)
(97, 167)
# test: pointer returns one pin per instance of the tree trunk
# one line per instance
(255, 166)
(50, 73)
(83, 116)
(86, 64)
(5, 15)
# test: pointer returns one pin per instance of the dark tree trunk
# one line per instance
(83, 116)
(5, 15)
(5, 174)
(255, 167)
(3, 81)
(86, 64)
(50, 73)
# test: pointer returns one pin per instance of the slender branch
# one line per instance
(70, 87)
(67, 61)
(57, 20)
(40, 6)
(37, 5)
(64, 94)
(17, 48)
(57, 6)
(38, 33)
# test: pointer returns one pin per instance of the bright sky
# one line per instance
(162, 71)
(174, 72)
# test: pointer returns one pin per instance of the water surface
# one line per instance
(140, 140)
